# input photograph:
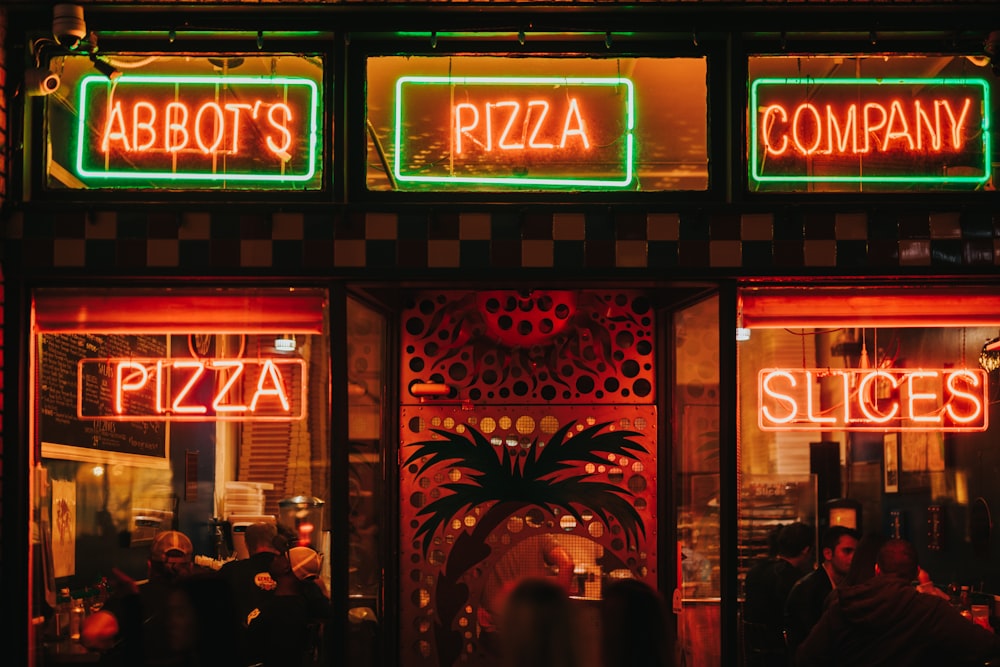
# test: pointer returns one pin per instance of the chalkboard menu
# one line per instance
(59, 357)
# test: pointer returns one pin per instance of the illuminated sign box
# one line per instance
(514, 131)
(191, 390)
(171, 129)
(886, 399)
(905, 130)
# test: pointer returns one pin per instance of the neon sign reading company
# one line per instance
(870, 130)
(198, 128)
(946, 400)
(514, 131)
(194, 389)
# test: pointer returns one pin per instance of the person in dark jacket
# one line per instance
(807, 598)
(886, 621)
(766, 587)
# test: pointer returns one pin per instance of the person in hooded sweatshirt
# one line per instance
(886, 621)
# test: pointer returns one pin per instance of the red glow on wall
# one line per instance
(946, 400)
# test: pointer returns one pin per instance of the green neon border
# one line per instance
(517, 81)
(198, 80)
(987, 173)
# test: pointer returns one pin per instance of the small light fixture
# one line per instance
(285, 343)
(742, 332)
(105, 68)
(989, 357)
(40, 81)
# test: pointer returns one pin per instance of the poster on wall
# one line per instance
(64, 522)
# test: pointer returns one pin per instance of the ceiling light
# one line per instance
(285, 343)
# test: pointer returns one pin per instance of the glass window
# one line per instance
(469, 123)
(696, 486)
(875, 123)
(196, 411)
(186, 122)
(885, 398)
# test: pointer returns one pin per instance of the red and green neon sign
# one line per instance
(178, 130)
(558, 132)
(907, 130)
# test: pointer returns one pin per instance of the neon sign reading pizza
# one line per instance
(870, 130)
(514, 131)
(198, 128)
(946, 400)
(133, 389)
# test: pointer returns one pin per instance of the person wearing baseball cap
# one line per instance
(141, 611)
(171, 554)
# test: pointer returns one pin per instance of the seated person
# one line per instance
(766, 588)
(535, 557)
(807, 598)
(886, 621)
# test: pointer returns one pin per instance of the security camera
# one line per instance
(40, 81)
(68, 26)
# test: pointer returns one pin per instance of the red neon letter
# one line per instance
(538, 124)
(217, 404)
(795, 129)
(128, 383)
(896, 115)
(765, 130)
(461, 129)
(809, 402)
(977, 405)
(869, 127)
(956, 125)
(199, 368)
(147, 125)
(115, 117)
(510, 123)
(924, 121)
(915, 396)
(235, 108)
(574, 112)
(173, 130)
(877, 417)
(765, 387)
(850, 130)
(219, 127)
(269, 370)
(280, 127)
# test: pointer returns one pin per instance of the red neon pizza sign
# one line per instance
(157, 389)
(870, 130)
(946, 400)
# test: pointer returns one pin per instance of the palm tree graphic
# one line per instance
(546, 475)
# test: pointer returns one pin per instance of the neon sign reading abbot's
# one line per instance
(891, 399)
(870, 130)
(197, 128)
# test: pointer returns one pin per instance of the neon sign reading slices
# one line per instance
(906, 130)
(888, 399)
(569, 132)
(192, 390)
(174, 129)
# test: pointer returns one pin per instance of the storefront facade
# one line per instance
(424, 286)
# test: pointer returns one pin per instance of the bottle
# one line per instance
(63, 606)
(76, 614)
(965, 602)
